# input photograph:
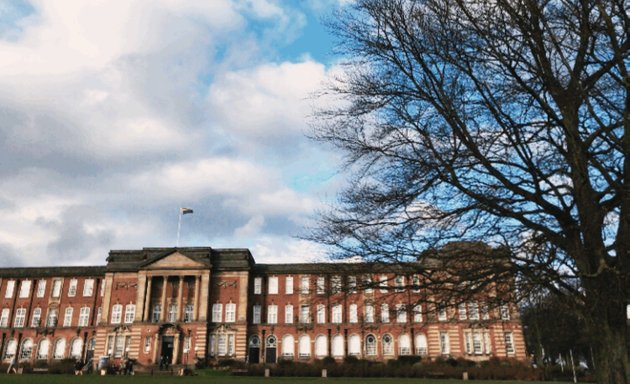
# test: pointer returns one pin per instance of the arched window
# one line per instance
(404, 345)
(288, 346)
(42, 349)
(354, 345)
(304, 346)
(388, 345)
(321, 346)
(11, 350)
(60, 349)
(76, 348)
(370, 345)
(337, 346)
(27, 349)
(421, 345)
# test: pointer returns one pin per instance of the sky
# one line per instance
(114, 114)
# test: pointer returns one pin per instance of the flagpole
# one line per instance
(179, 226)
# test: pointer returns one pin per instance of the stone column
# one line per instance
(146, 315)
(180, 291)
(140, 297)
(196, 299)
(203, 296)
(163, 299)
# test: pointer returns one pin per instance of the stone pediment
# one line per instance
(174, 260)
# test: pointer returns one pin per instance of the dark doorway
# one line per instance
(270, 350)
(167, 349)
(253, 355)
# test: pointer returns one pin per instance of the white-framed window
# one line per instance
(304, 346)
(84, 316)
(305, 283)
(415, 283)
(20, 318)
(130, 313)
(321, 346)
(188, 313)
(382, 284)
(461, 309)
(172, 312)
(272, 314)
(52, 317)
(147, 344)
(59, 351)
(37, 317)
(25, 289)
(217, 313)
(230, 312)
(10, 289)
(335, 284)
(116, 313)
(88, 287)
(56, 288)
(485, 312)
(156, 314)
(509, 343)
(288, 285)
(321, 314)
(404, 343)
(27, 349)
(353, 316)
(367, 283)
(399, 283)
(445, 343)
(417, 313)
(422, 348)
(41, 288)
(475, 342)
(67, 317)
(384, 313)
(4, 317)
(257, 285)
(401, 313)
(473, 310)
(72, 287)
(388, 344)
(504, 309)
(370, 345)
(288, 346)
(42, 349)
(11, 350)
(369, 313)
(354, 345)
(256, 314)
(321, 285)
(76, 348)
(305, 314)
(337, 314)
(288, 314)
(352, 284)
(273, 285)
(441, 312)
(338, 346)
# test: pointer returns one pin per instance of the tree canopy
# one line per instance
(499, 121)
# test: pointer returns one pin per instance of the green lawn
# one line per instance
(214, 379)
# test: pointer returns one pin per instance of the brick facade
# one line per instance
(190, 303)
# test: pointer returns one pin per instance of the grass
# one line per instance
(217, 379)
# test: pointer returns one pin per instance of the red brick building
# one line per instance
(181, 304)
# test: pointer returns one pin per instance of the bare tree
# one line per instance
(503, 121)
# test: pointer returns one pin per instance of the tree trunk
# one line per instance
(608, 328)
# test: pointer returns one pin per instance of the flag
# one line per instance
(185, 210)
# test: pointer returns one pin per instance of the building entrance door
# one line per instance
(167, 349)
(253, 356)
(270, 350)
